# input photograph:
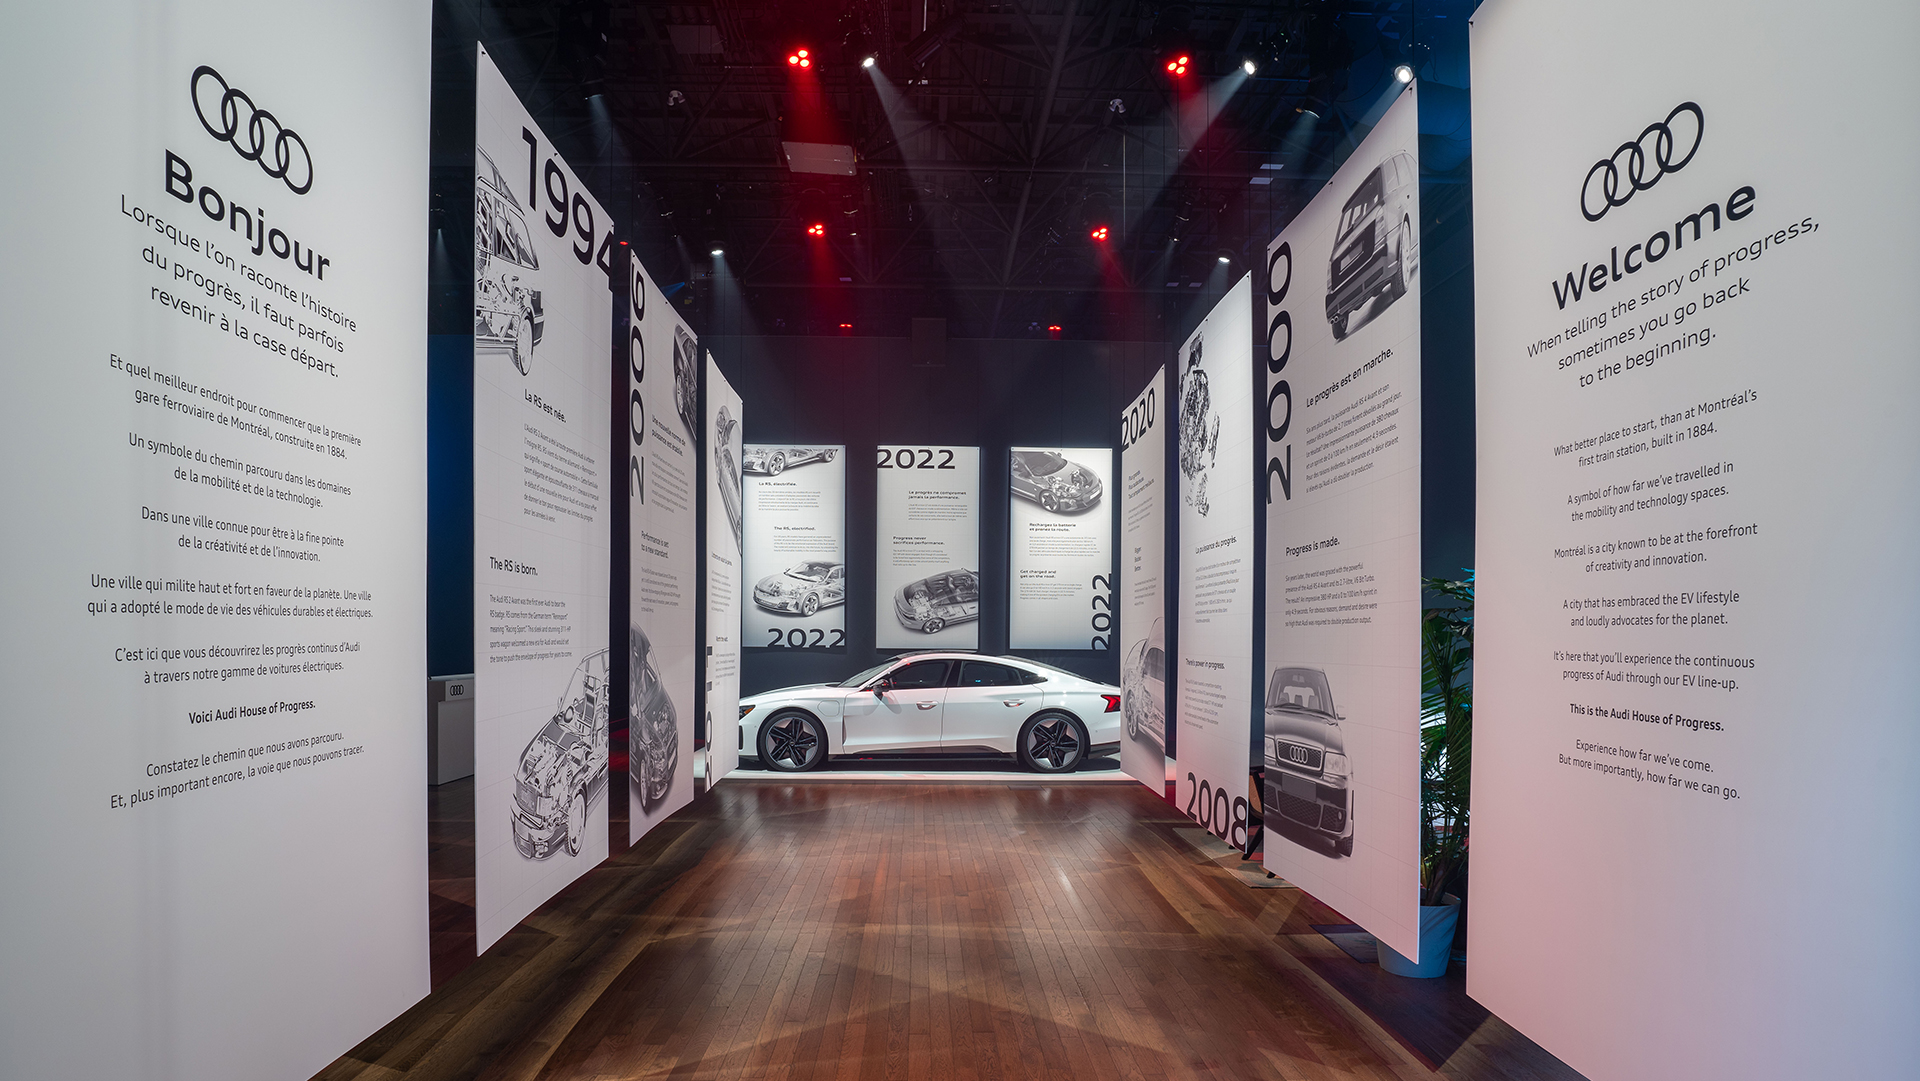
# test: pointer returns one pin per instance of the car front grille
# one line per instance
(1298, 809)
(1297, 755)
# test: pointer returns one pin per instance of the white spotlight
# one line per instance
(1403, 74)
(1224, 259)
(717, 252)
(1249, 66)
(868, 62)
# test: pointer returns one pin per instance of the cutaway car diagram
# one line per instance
(563, 769)
(1309, 788)
(936, 702)
(1199, 433)
(653, 730)
(686, 380)
(726, 472)
(775, 460)
(938, 601)
(1058, 485)
(507, 317)
(1143, 688)
(803, 588)
(1376, 249)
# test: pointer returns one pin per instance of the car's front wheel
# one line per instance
(1049, 501)
(934, 625)
(791, 742)
(576, 822)
(810, 604)
(1052, 743)
(523, 343)
(777, 464)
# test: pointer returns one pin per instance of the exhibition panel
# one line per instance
(663, 469)
(543, 311)
(1143, 594)
(1695, 616)
(1060, 544)
(796, 546)
(1341, 739)
(723, 573)
(1215, 451)
(927, 547)
(214, 295)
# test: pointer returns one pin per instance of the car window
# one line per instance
(986, 674)
(1157, 664)
(921, 674)
(1027, 677)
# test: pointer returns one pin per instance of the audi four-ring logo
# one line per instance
(1613, 180)
(230, 116)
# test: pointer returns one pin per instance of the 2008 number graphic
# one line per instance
(1223, 816)
(805, 638)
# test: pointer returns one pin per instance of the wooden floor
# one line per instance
(975, 931)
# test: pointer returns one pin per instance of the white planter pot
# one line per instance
(1437, 924)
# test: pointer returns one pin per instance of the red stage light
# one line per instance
(1178, 65)
(1053, 332)
(817, 229)
(799, 58)
(1099, 232)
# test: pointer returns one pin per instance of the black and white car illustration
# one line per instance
(775, 460)
(1376, 250)
(936, 702)
(653, 730)
(1309, 789)
(686, 380)
(803, 588)
(563, 769)
(507, 318)
(1047, 478)
(1199, 430)
(1143, 687)
(938, 601)
(726, 472)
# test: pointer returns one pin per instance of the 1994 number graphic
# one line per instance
(1223, 816)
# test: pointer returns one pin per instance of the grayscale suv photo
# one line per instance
(1309, 789)
(1376, 250)
(507, 318)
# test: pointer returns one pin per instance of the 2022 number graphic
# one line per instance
(805, 638)
(905, 458)
(1223, 816)
(1102, 612)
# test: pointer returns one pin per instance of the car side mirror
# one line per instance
(882, 687)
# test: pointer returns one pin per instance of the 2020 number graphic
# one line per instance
(1219, 814)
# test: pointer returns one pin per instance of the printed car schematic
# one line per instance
(1309, 788)
(686, 380)
(803, 588)
(1376, 250)
(653, 731)
(563, 769)
(1199, 433)
(507, 317)
(726, 473)
(1143, 687)
(936, 602)
(775, 460)
(1047, 478)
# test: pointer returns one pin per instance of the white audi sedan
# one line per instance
(932, 702)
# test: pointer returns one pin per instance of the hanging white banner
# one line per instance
(1143, 573)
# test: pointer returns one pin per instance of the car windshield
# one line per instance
(811, 572)
(858, 678)
(1044, 465)
(1301, 689)
(1364, 202)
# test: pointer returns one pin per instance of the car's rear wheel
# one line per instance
(777, 464)
(791, 742)
(828, 456)
(576, 822)
(523, 343)
(810, 604)
(1339, 327)
(1052, 743)
(934, 625)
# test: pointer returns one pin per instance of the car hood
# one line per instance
(778, 692)
(1073, 477)
(544, 753)
(774, 582)
(1314, 729)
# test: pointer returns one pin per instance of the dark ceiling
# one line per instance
(982, 167)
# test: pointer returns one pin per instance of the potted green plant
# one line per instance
(1446, 769)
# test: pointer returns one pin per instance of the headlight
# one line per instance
(1273, 749)
(1336, 765)
(744, 710)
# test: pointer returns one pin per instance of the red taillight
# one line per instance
(1113, 702)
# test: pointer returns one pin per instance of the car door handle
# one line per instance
(926, 705)
(1011, 702)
